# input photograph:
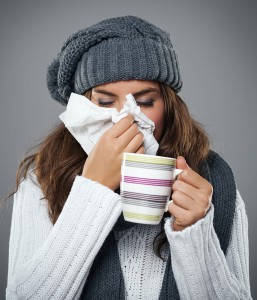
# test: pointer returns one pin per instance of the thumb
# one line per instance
(181, 163)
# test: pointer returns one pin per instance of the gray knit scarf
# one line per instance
(105, 280)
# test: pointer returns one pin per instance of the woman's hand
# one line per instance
(191, 196)
(104, 162)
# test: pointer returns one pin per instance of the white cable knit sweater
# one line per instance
(52, 262)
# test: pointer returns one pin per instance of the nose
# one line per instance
(120, 103)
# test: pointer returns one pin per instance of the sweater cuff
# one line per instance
(85, 182)
(200, 225)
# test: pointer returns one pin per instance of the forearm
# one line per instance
(200, 266)
(58, 268)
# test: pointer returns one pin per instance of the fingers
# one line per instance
(200, 196)
(185, 188)
(194, 179)
(125, 138)
(141, 150)
(182, 200)
(176, 211)
(189, 176)
(120, 127)
(135, 143)
(183, 217)
(180, 215)
(181, 163)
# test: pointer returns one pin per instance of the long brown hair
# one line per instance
(59, 157)
(182, 134)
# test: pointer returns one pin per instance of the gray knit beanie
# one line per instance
(114, 49)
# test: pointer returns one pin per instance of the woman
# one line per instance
(68, 237)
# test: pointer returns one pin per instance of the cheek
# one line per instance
(159, 126)
(156, 117)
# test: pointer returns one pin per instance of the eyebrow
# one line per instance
(140, 93)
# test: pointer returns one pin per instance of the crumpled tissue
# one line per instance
(87, 121)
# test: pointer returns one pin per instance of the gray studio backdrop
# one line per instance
(216, 44)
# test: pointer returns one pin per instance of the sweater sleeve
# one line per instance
(201, 269)
(52, 262)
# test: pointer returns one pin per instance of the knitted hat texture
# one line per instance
(120, 48)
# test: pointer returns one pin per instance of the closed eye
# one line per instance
(105, 103)
(147, 103)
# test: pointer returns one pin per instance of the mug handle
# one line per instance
(175, 176)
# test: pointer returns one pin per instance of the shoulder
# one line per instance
(29, 191)
(240, 204)
(30, 182)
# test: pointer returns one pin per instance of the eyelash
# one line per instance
(110, 103)
(104, 103)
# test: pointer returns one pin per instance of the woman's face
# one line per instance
(146, 93)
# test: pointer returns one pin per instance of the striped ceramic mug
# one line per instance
(145, 186)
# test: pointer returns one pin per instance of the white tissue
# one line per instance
(87, 121)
